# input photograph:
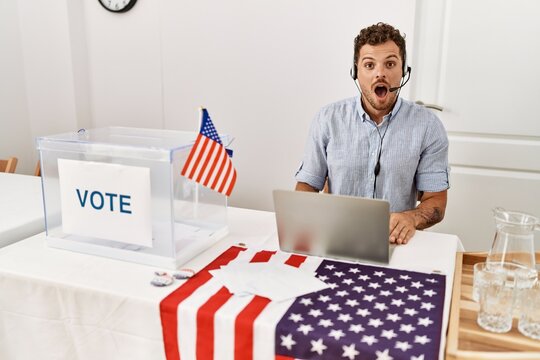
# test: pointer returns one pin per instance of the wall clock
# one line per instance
(117, 6)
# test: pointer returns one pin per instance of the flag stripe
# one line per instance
(231, 185)
(243, 329)
(229, 168)
(223, 163)
(205, 323)
(206, 314)
(202, 148)
(169, 305)
(212, 173)
(209, 164)
(206, 160)
(190, 156)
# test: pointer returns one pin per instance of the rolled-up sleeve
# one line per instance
(314, 167)
(432, 174)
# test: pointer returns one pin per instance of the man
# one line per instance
(379, 145)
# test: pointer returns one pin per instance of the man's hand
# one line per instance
(429, 212)
(402, 227)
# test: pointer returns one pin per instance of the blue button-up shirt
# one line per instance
(344, 144)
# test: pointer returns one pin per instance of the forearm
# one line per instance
(430, 211)
(301, 186)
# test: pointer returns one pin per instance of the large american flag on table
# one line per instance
(208, 162)
(368, 312)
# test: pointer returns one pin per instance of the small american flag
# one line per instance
(208, 163)
(368, 312)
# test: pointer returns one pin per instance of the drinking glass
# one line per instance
(529, 321)
(496, 302)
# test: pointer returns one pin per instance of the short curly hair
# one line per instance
(379, 34)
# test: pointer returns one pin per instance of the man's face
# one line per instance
(379, 69)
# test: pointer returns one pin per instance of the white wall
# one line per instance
(15, 136)
(262, 68)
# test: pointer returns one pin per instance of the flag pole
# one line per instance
(196, 203)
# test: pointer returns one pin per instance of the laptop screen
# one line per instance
(333, 226)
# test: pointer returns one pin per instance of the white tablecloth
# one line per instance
(21, 207)
(56, 304)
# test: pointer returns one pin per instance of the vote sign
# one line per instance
(106, 201)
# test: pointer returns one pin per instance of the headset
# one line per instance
(405, 71)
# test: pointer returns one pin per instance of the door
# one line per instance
(478, 60)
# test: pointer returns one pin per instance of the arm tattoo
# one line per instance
(428, 217)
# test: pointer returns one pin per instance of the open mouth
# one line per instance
(381, 91)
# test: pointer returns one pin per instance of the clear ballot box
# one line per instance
(118, 192)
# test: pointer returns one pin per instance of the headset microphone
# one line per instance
(402, 85)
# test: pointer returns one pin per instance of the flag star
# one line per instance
(323, 277)
(393, 317)
(414, 297)
(429, 292)
(421, 357)
(326, 323)
(385, 293)
(345, 317)
(384, 355)
(389, 334)
(363, 312)
(336, 334)
(318, 346)
(425, 321)
(378, 273)
(352, 302)
(332, 285)
(354, 270)
(421, 339)
(398, 302)
(401, 289)
(416, 284)
(330, 267)
(306, 301)
(342, 293)
(375, 323)
(433, 281)
(403, 345)
(381, 306)
(287, 341)
(356, 328)
(427, 306)
(334, 307)
(305, 328)
(410, 311)
(369, 298)
(405, 277)
(315, 312)
(348, 281)
(358, 289)
(389, 281)
(364, 277)
(370, 340)
(324, 298)
(374, 285)
(296, 317)
(349, 351)
(339, 273)
(408, 328)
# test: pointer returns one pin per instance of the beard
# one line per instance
(371, 98)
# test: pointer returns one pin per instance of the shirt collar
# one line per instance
(365, 116)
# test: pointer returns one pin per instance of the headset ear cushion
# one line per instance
(353, 72)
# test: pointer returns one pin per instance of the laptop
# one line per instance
(333, 226)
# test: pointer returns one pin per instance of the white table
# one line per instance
(21, 207)
(56, 304)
